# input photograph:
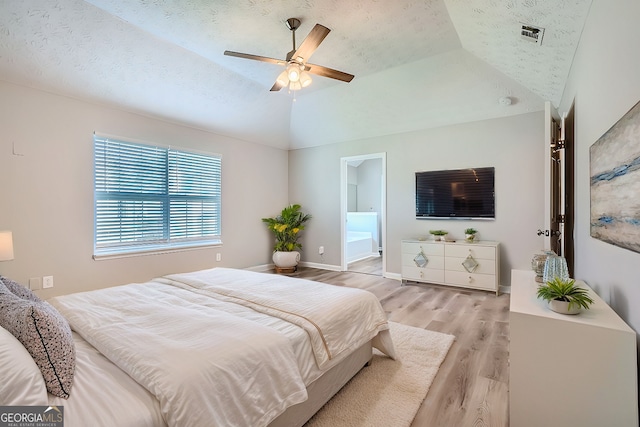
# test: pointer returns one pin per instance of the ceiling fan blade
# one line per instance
(276, 87)
(319, 70)
(255, 57)
(311, 42)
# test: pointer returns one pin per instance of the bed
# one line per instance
(213, 347)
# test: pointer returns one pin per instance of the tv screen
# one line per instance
(460, 193)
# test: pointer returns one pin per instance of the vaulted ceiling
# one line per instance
(418, 63)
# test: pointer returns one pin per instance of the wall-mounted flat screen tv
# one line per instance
(456, 194)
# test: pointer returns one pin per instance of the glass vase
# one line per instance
(537, 263)
(555, 266)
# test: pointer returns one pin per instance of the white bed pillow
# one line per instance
(22, 382)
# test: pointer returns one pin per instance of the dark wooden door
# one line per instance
(569, 191)
(555, 204)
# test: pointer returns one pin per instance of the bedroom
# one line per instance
(47, 193)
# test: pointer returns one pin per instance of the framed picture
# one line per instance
(615, 183)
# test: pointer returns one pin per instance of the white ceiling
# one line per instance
(418, 63)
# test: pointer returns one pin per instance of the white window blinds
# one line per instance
(153, 198)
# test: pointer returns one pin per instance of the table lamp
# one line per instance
(6, 246)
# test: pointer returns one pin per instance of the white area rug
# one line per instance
(389, 393)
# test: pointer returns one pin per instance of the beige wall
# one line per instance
(46, 190)
(46, 193)
(513, 145)
(605, 84)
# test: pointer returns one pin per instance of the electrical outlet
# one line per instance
(218, 257)
(47, 282)
(321, 250)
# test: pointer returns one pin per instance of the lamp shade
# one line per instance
(305, 79)
(6, 246)
(293, 70)
(283, 78)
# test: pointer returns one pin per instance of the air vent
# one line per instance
(531, 33)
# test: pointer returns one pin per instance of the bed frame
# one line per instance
(324, 388)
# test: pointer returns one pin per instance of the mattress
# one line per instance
(104, 394)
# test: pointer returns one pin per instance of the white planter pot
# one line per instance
(562, 307)
(469, 237)
(286, 259)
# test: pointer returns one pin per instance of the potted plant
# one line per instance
(439, 234)
(470, 234)
(286, 228)
(564, 296)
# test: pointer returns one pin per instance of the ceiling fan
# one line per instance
(296, 74)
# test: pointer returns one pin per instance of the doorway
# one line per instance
(363, 213)
(560, 191)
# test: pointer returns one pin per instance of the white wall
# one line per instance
(46, 193)
(605, 83)
(513, 145)
(370, 191)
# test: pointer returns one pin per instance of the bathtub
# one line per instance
(359, 245)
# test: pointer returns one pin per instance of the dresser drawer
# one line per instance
(485, 266)
(423, 274)
(433, 262)
(462, 251)
(445, 263)
(471, 280)
(427, 248)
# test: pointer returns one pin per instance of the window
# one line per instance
(151, 198)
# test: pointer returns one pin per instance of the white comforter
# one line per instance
(337, 319)
(205, 365)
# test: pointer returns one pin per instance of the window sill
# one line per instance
(146, 250)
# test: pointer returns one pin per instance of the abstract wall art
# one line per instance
(615, 183)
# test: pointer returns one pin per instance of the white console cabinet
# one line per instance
(468, 265)
(569, 370)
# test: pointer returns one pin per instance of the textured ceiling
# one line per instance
(418, 63)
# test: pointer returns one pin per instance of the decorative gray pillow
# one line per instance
(46, 335)
(19, 290)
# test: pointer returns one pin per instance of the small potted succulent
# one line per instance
(470, 234)
(439, 234)
(564, 296)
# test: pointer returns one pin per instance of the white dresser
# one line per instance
(569, 370)
(468, 265)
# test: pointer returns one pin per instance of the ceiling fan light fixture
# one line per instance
(283, 78)
(305, 79)
(295, 86)
(293, 71)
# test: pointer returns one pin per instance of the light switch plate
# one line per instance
(35, 283)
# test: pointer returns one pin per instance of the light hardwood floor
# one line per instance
(471, 387)
(371, 265)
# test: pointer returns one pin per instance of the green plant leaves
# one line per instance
(287, 227)
(565, 290)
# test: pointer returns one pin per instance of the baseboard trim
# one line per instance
(321, 266)
(394, 276)
(330, 267)
(263, 267)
